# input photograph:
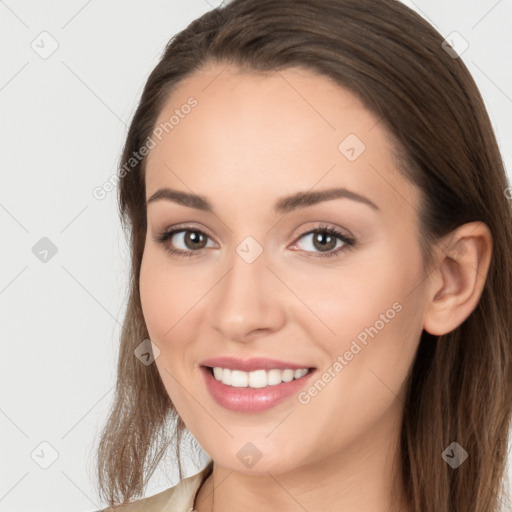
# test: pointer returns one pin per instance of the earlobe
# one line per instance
(456, 283)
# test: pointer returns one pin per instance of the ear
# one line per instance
(456, 283)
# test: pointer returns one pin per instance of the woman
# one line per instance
(321, 273)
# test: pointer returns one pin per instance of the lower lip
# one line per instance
(252, 399)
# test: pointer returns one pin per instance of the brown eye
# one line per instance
(184, 242)
(324, 242)
(194, 239)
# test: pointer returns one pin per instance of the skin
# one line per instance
(252, 139)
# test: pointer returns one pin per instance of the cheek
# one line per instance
(170, 299)
(344, 306)
(163, 293)
(362, 382)
(152, 295)
(163, 298)
(161, 310)
(374, 313)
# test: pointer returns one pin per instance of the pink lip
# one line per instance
(249, 365)
(252, 399)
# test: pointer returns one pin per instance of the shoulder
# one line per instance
(179, 498)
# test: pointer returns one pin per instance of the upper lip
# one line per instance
(248, 365)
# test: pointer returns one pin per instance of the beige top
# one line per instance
(179, 498)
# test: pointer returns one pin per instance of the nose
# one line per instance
(248, 302)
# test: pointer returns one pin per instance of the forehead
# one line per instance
(282, 131)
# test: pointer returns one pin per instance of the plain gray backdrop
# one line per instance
(71, 75)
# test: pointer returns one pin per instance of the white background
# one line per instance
(63, 122)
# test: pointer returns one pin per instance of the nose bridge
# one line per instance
(244, 300)
(245, 282)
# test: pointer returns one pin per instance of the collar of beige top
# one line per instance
(183, 495)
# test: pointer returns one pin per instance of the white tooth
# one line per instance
(274, 377)
(226, 376)
(258, 379)
(287, 375)
(239, 379)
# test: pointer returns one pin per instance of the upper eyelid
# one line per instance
(186, 227)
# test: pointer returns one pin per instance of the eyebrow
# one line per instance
(283, 205)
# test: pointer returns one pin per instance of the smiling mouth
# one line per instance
(256, 378)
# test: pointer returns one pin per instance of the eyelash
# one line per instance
(347, 241)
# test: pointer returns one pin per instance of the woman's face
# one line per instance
(261, 278)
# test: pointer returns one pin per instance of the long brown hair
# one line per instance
(460, 384)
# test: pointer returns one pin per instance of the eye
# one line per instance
(325, 239)
(193, 241)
